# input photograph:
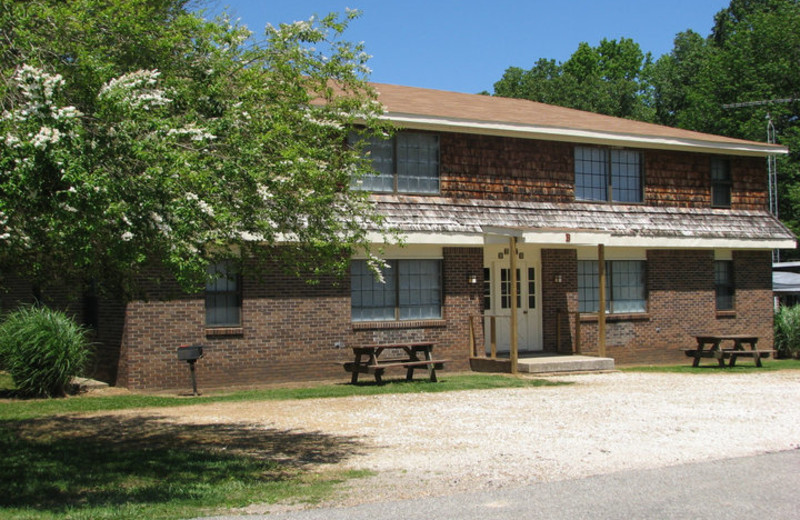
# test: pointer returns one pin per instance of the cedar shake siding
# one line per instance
(513, 169)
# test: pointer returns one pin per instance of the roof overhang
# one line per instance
(547, 133)
(583, 238)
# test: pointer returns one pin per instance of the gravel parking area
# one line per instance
(436, 444)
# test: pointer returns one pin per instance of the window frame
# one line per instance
(396, 163)
(611, 289)
(725, 288)
(721, 185)
(394, 284)
(213, 292)
(611, 171)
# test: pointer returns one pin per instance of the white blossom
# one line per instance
(127, 236)
(192, 132)
(45, 136)
(12, 141)
(377, 266)
(69, 112)
(136, 89)
(264, 193)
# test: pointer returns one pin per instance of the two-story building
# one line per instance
(674, 221)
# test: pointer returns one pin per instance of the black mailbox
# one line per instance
(190, 352)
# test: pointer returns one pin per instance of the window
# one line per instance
(625, 286)
(505, 289)
(412, 290)
(406, 163)
(723, 284)
(223, 296)
(720, 183)
(608, 175)
(487, 288)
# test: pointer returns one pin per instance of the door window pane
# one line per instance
(505, 289)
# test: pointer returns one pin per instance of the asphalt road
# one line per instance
(759, 487)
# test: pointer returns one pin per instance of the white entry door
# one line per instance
(497, 302)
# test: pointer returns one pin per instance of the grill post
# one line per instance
(190, 354)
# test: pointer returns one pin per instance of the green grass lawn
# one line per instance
(710, 366)
(59, 462)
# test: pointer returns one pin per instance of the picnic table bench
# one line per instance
(411, 356)
(721, 354)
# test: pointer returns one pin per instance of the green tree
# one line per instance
(136, 130)
(607, 79)
(710, 84)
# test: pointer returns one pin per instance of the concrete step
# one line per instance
(554, 364)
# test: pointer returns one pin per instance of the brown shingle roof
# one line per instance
(471, 216)
(419, 107)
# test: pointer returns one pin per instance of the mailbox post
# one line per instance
(190, 354)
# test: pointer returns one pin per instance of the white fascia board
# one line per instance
(701, 243)
(566, 238)
(421, 237)
(547, 133)
(583, 238)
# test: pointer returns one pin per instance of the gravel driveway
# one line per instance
(436, 444)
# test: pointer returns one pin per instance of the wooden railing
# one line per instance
(476, 351)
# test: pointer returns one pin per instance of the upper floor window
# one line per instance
(607, 175)
(626, 290)
(223, 296)
(406, 163)
(721, 182)
(410, 290)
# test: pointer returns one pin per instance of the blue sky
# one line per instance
(465, 46)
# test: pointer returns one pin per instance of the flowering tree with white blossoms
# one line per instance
(190, 143)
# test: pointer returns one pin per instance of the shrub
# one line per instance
(787, 331)
(42, 350)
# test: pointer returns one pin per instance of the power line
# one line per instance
(759, 103)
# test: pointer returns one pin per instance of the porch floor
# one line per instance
(544, 363)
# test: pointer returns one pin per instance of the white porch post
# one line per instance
(514, 333)
(601, 311)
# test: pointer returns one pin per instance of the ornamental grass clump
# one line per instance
(787, 331)
(42, 349)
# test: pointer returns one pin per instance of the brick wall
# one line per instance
(288, 331)
(681, 302)
(560, 299)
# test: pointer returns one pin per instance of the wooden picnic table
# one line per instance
(714, 341)
(411, 356)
